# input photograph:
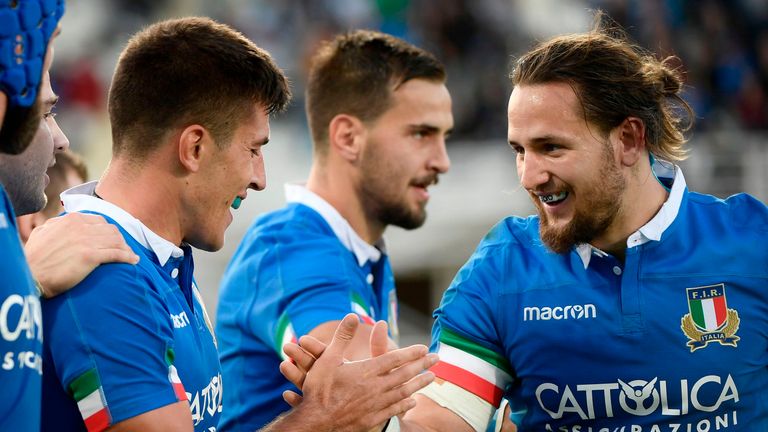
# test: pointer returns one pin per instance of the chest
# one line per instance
(648, 340)
(196, 357)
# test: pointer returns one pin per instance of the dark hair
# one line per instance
(186, 71)
(614, 79)
(65, 162)
(355, 74)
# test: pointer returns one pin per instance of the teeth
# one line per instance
(546, 199)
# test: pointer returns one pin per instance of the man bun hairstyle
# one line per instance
(615, 79)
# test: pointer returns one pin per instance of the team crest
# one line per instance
(709, 319)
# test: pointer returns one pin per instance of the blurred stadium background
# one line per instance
(723, 45)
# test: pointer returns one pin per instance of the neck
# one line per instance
(340, 191)
(642, 200)
(147, 193)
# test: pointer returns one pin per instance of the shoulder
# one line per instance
(109, 295)
(513, 230)
(741, 211)
(291, 218)
(510, 237)
(295, 233)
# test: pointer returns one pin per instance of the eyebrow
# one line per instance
(428, 128)
(541, 139)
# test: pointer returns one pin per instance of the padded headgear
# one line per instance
(26, 27)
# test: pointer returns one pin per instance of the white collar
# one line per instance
(298, 193)
(653, 229)
(82, 198)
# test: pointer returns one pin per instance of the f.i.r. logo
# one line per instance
(708, 318)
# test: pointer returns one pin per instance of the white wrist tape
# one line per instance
(393, 425)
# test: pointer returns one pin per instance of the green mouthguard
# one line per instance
(236, 203)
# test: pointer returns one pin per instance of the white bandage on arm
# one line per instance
(393, 425)
(498, 418)
(473, 409)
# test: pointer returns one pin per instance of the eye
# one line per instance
(49, 115)
(518, 149)
(550, 147)
(256, 152)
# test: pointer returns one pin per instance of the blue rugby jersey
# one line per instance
(673, 339)
(129, 339)
(21, 331)
(296, 268)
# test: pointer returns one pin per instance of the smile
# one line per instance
(553, 199)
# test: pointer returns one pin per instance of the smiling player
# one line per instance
(379, 113)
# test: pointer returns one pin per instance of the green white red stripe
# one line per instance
(285, 334)
(89, 395)
(709, 310)
(173, 376)
(472, 367)
(710, 313)
(361, 309)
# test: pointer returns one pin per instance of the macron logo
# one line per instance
(546, 313)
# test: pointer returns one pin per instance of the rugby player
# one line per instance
(379, 114)
(628, 302)
(132, 348)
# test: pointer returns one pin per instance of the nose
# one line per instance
(60, 140)
(440, 162)
(258, 175)
(531, 170)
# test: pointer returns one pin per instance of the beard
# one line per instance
(391, 212)
(25, 190)
(599, 203)
(19, 127)
(379, 194)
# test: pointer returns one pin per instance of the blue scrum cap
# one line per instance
(26, 27)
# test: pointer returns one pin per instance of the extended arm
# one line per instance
(64, 250)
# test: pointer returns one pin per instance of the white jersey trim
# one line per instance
(298, 193)
(655, 227)
(82, 198)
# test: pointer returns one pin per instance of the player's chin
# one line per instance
(211, 245)
(211, 240)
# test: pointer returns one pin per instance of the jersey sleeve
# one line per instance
(473, 371)
(111, 343)
(305, 283)
(21, 333)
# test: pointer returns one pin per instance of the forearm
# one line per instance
(428, 416)
(411, 425)
(300, 419)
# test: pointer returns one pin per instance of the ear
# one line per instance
(192, 141)
(630, 139)
(346, 136)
